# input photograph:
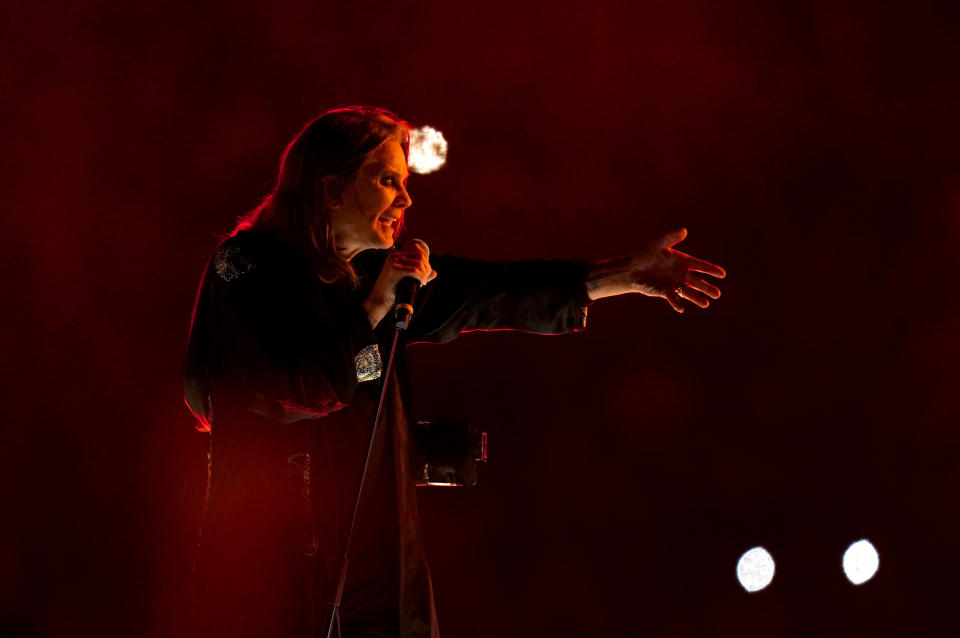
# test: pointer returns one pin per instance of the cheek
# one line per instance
(375, 201)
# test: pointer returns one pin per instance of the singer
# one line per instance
(288, 343)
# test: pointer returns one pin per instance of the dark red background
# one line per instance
(810, 148)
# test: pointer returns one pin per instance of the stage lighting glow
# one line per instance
(428, 150)
(860, 562)
(755, 569)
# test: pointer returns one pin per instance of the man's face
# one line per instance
(372, 203)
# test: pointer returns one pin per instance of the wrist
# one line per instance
(609, 277)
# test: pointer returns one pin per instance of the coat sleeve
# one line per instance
(267, 337)
(539, 296)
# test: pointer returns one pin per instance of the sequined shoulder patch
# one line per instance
(368, 364)
(229, 263)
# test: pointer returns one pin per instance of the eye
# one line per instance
(389, 181)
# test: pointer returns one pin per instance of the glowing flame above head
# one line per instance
(428, 150)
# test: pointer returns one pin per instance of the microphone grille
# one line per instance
(421, 243)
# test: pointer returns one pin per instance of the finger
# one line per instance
(416, 273)
(673, 237)
(410, 254)
(695, 282)
(705, 266)
(417, 255)
(674, 300)
(417, 244)
(700, 265)
(413, 248)
(415, 268)
(694, 296)
(405, 261)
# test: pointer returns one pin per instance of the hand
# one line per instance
(413, 260)
(660, 271)
(657, 270)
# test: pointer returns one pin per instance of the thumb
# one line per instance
(673, 237)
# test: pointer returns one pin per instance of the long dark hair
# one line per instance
(332, 146)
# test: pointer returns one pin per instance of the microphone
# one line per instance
(406, 292)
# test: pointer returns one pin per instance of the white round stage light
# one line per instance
(755, 569)
(428, 150)
(860, 562)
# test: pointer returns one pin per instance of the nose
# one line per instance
(403, 198)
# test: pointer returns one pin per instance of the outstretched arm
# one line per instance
(656, 270)
(543, 296)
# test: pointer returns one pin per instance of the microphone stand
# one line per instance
(402, 319)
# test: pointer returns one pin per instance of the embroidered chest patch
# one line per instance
(368, 364)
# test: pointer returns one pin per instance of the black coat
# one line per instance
(284, 367)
